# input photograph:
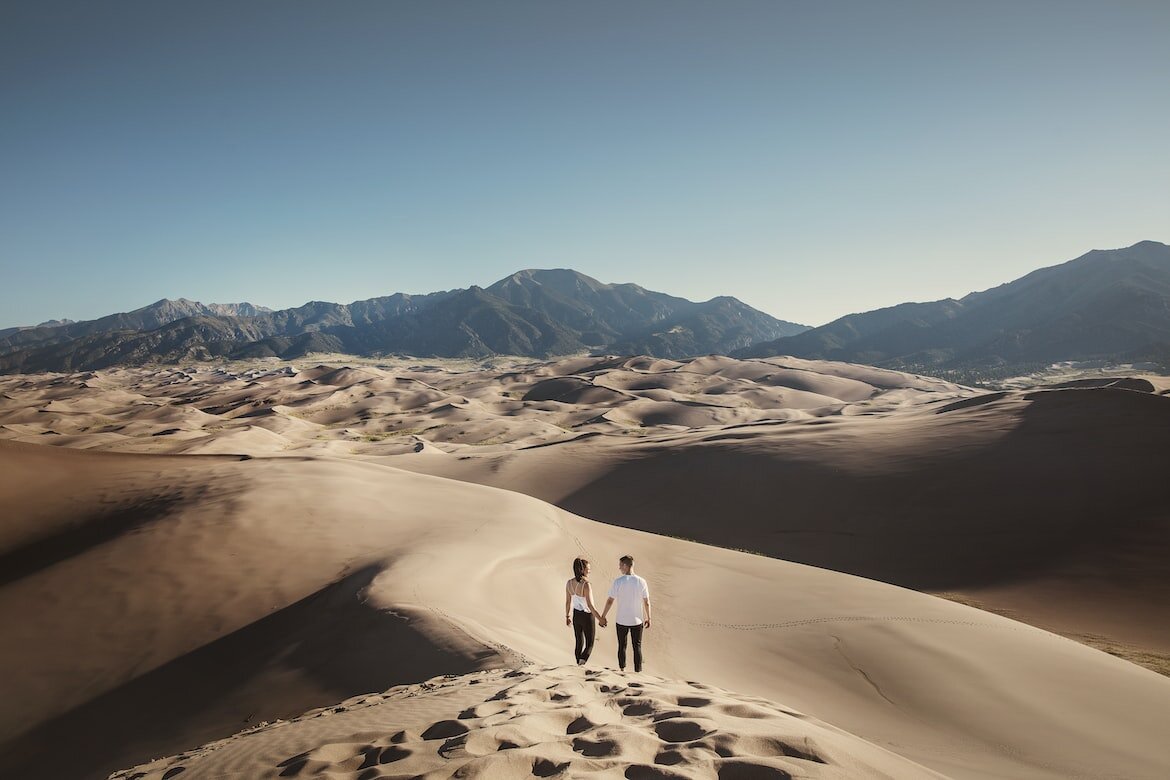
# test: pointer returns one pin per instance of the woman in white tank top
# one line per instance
(579, 610)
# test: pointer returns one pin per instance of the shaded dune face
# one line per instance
(1015, 488)
(328, 646)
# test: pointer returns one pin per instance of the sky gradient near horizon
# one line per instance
(810, 158)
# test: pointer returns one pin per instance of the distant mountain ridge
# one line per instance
(154, 315)
(1109, 304)
(538, 313)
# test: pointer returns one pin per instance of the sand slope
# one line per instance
(213, 593)
(544, 722)
(1048, 503)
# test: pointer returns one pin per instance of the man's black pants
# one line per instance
(635, 635)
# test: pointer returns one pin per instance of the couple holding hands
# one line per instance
(629, 592)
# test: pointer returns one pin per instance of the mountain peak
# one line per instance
(557, 278)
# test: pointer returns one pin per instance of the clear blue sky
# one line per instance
(810, 158)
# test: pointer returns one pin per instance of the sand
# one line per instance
(545, 722)
(206, 550)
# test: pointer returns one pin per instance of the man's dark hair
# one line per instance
(628, 560)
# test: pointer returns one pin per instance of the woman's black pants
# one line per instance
(583, 628)
(635, 634)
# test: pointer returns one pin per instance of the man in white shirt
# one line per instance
(633, 610)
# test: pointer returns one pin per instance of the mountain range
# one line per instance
(1105, 305)
(1111, 305)
(538, 313)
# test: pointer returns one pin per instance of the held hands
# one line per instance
(602, 622)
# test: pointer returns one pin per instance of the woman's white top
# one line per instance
(579, 602)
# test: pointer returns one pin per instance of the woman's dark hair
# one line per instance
(579, 565)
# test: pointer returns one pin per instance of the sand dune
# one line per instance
(1022, 502)
(212, 593)
(544, 722)
(248, 543)
(464, 410)
(1047, 504)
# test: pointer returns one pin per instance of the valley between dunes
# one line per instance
(194, 552)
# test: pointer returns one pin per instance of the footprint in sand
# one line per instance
(445, 729)
(678, 730)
